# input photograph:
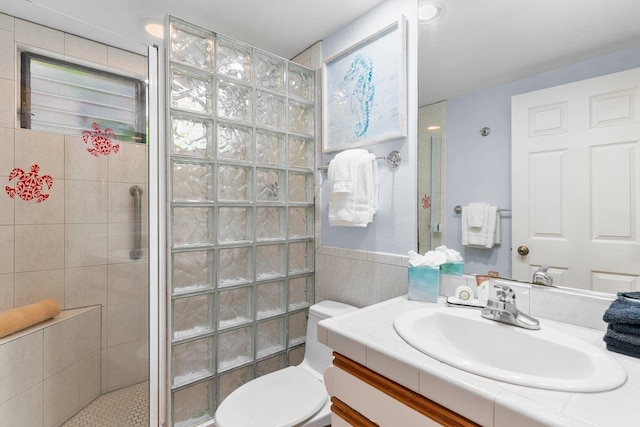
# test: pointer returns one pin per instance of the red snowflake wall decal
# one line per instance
(426, 202)
(29, 185)
(101, 140)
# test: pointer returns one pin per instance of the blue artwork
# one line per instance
(364, 92)
(360, 78)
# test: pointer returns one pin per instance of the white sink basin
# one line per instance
(547, 358)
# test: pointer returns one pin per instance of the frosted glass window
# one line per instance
(62, 97)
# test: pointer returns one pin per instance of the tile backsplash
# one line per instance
(363, 278)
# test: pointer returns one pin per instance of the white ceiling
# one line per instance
(477, 44)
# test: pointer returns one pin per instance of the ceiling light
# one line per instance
(152, 27)
(433, 127)
(428, 13)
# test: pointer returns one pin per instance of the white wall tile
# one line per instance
(85, 245)
(68, 342)
(126, 322)
(39, 36)
(7, 55)
(39, 247)
(6, 249)
(6, 292)
(393, 280)
(127, 364)
(7, 205)
(48, 211)
(80, 48)
(34, 286)
(129, 164)
(23, 410)
(128, 282)
(6, 145)
(79, 164)
(8, 112)
(20, 365)
(71, 389)
(85, 202)
(85, 286)
(121, 60)
(40, 148)
(7, 22)
(121, 202)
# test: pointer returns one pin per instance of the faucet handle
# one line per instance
(505, 294)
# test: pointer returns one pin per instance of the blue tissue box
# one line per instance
(456, 268)
(424, 284)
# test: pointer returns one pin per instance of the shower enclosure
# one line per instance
(73, 143)
(241, 138)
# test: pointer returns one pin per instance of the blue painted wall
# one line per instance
(394, 228)
(479, 168)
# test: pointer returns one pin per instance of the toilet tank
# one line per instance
(317, 355)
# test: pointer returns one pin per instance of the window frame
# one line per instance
(140, 135)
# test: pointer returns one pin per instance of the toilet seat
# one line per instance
(281, 399)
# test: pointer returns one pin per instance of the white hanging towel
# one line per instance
(353, 188)
(488, 233)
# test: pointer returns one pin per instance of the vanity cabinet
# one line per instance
(361, 397)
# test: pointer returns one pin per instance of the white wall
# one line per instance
(479, 168)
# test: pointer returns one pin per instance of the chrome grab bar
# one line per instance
(136, 192)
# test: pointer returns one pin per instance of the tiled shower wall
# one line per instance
(74, 245)
(242, 140)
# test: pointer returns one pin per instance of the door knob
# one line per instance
(523, 250)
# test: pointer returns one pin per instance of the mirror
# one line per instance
(473, 58)
(431, 141)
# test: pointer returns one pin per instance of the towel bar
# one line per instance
(393, 161)
(458, 210)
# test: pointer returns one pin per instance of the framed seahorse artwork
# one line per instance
(364, 93)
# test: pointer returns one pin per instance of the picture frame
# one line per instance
(364, 91)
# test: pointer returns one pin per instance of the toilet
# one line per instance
(291, 396)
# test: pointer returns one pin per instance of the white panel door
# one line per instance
(576, 182)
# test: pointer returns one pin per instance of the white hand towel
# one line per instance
(485, 236)
(353, 186)
(477, 214)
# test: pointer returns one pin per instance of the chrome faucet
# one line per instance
(540, 277)
(504, 309)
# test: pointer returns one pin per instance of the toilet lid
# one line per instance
(280, 399)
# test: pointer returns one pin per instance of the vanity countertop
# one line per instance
(367, 336)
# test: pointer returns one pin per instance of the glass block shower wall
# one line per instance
(242, 143)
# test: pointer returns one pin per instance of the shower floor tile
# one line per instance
(127, 407)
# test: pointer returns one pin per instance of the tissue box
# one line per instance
(424, 284)
(456, 268)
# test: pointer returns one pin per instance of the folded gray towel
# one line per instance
(626, 328)
(623, 350)
(622, 343)
(632, 295)
(629, 339)
(625, 309)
